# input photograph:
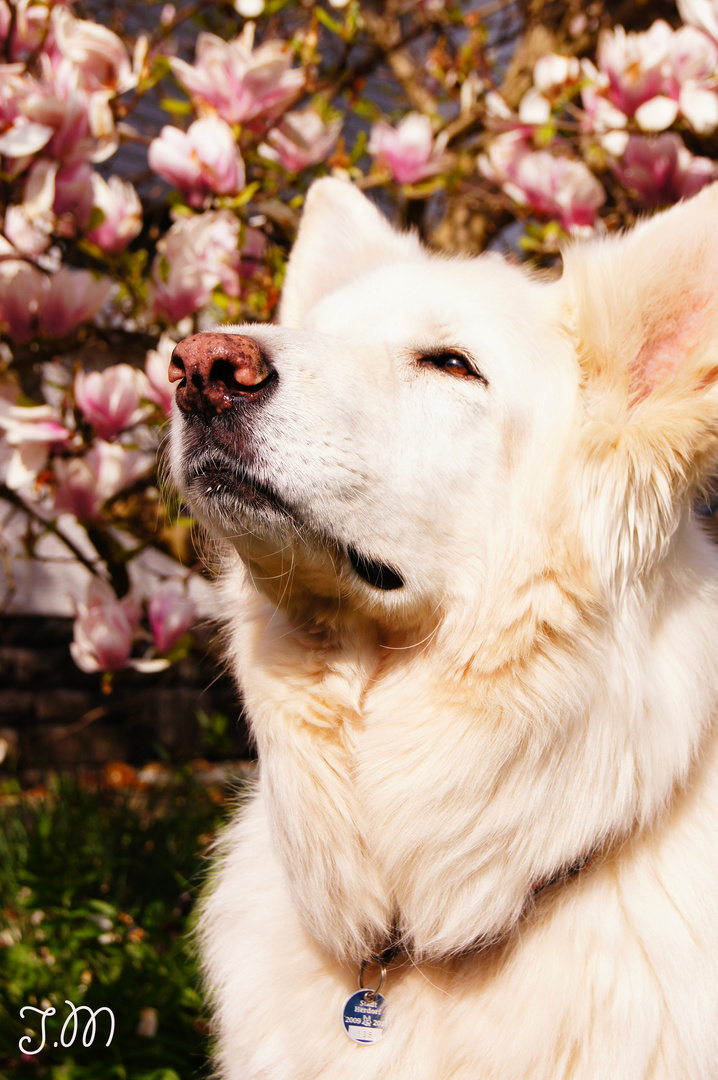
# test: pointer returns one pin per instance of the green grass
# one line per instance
(96, 893)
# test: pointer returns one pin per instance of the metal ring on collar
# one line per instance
(382, 975)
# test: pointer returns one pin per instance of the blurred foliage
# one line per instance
(216, 733)
(96, 892)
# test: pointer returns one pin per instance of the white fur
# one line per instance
(542, 689)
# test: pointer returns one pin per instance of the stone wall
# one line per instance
(52, 715)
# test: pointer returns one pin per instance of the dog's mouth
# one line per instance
(226, 483)
(375, 573)
(223, 484)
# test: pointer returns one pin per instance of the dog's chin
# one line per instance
(226, 497)
(232, 502)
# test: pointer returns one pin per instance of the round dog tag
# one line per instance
(363, 1017)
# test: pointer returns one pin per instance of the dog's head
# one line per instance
(420, 432)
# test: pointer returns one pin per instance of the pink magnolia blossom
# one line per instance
(121, 211)
(691, 78)
(201, 161)
(553, 74)
(160, 391)
(22, 289)
(39, 191)
(104, 629)
(661, 170)
(654, 77)
(71, 297)
(534, 108)
(111, 399)
(634, 64)
(629, 80)
(32, 432)
(601, 115)
(553, 186)
(14, 86)
(702, 14)
(84, 484)
(237, 81)
(171, 613)
(22, 138)
(97, 53)
(408, 150)
(29, 225)
(52, 305)
(301, 139)
(693, 58)
(29, 235)
(80, 120)
(29, 29)
(74, 197)
(198, 253)
(254, 250)
(20, 135)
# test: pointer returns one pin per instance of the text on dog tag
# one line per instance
(363, 1017)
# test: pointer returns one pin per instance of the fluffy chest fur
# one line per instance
(385, 803)
(435, 797)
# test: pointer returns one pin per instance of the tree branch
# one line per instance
(14, 499)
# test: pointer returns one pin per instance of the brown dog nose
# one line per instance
(213, 370)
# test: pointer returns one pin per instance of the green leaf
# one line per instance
(544, 135)
(176, 106)
(331, 24)
(96, 218)
(103, 908)
(359, 148)
(243, 198)
(425, 188)
(164, 268)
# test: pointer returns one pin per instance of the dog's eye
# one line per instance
(454, 363)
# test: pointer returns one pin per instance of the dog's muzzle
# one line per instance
(230, 374)
(214, 371)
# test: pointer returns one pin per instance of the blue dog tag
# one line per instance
(363, 1017)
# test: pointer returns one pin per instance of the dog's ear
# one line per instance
(342, 235)
(642, 311)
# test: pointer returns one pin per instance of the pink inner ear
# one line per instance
(667, 350)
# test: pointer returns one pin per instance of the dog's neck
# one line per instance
(396, 950)
(436, 799)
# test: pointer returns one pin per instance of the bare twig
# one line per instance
(386, 34)
(14, 499)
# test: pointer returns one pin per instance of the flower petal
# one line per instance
(657, 114)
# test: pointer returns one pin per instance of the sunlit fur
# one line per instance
(541, 691)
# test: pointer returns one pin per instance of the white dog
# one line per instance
(476, 627)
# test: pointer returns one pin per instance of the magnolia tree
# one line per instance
(510, 125)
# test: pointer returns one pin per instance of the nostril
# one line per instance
(223, 373)
(240, 375)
